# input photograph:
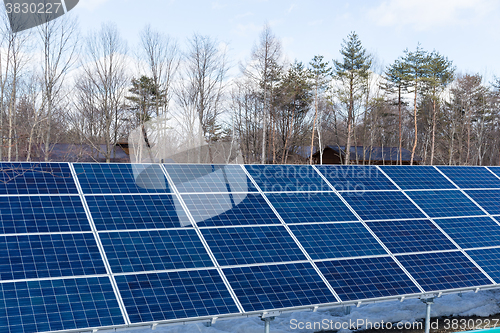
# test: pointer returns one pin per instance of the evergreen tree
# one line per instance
(144, 98)
(440, 74)
(416, 68)
(320, 73)
(352, 72)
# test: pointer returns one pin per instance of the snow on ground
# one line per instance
(483, 303)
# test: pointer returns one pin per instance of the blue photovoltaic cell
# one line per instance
(488, 199)
(42, 214)
(128, 212)
(415, 177)
(49, 255)
(137, 251)
(445, 203)
(489, 260)
(97, 178)
(336, 240)
(356, 177)
(229, 209)
(209, 178)
(495, 170)
(279, 178)
(470, 176)
(36, 178)
(174, 295)
(383, 205)
(472, 231)
(278, 286)
(411, 236)
(54, 305)
(310, 207)
(443, 271)
(356, 279)
(250, 245)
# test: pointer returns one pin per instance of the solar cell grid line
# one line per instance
(414, 177)
(365, 278)
(251, 245)
(136, 211)
(487, 199)
(279, 286)
(472, 232)
(36, 214)
(102, 178)
(154, 250)
(360, 219)
(76, 304)
(495, 170)
(286, 178)
(445, 203)
(36, 178)
(470, 176)
(309, 259)
(193, 178)
(337, 240)
(444, 232)
(355, 177)
(310, 207)
(411, 236)
(97, 238)
(489, 259)
(49, 256)
(204, 242)
(445, 271)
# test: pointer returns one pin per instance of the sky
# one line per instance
(465, 31)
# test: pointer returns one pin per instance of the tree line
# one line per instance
(59, 86)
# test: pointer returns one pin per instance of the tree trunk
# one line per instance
(416, 129)
(433, 130)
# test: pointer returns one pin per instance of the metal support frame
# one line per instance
(267, 323)
(428, 302)
(347, 310)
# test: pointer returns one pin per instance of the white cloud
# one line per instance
(291, 8)
(427, 14)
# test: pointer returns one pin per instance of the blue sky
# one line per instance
(466, 31)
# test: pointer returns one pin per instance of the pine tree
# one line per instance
(352, 72)
(320, 73)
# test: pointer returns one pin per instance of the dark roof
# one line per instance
(375, 153)
(68, 152)
(304, 151)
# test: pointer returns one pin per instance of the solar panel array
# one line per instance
(87, 246)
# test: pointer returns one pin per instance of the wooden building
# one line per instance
(366, 155)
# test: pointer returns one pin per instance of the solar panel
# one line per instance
(154, 250)
(128, 212)
(278, 286)
(382, 205)
(36, 178)
(495, 170)
(489, 260)
(54, 305)
(489, 200)
(357, 279)
(356, 177)
(49, 255)
(310, 207)
(121, 178)
(410, 236)
(23, 214)
(471, 177)
(443, 271)
(282, 178)
(217, 245)
(445, 203)
(415, 177)
(336, 240)
(251, 245)
(229, 209)
(472, 231)
(174, 295)
(209, 178)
